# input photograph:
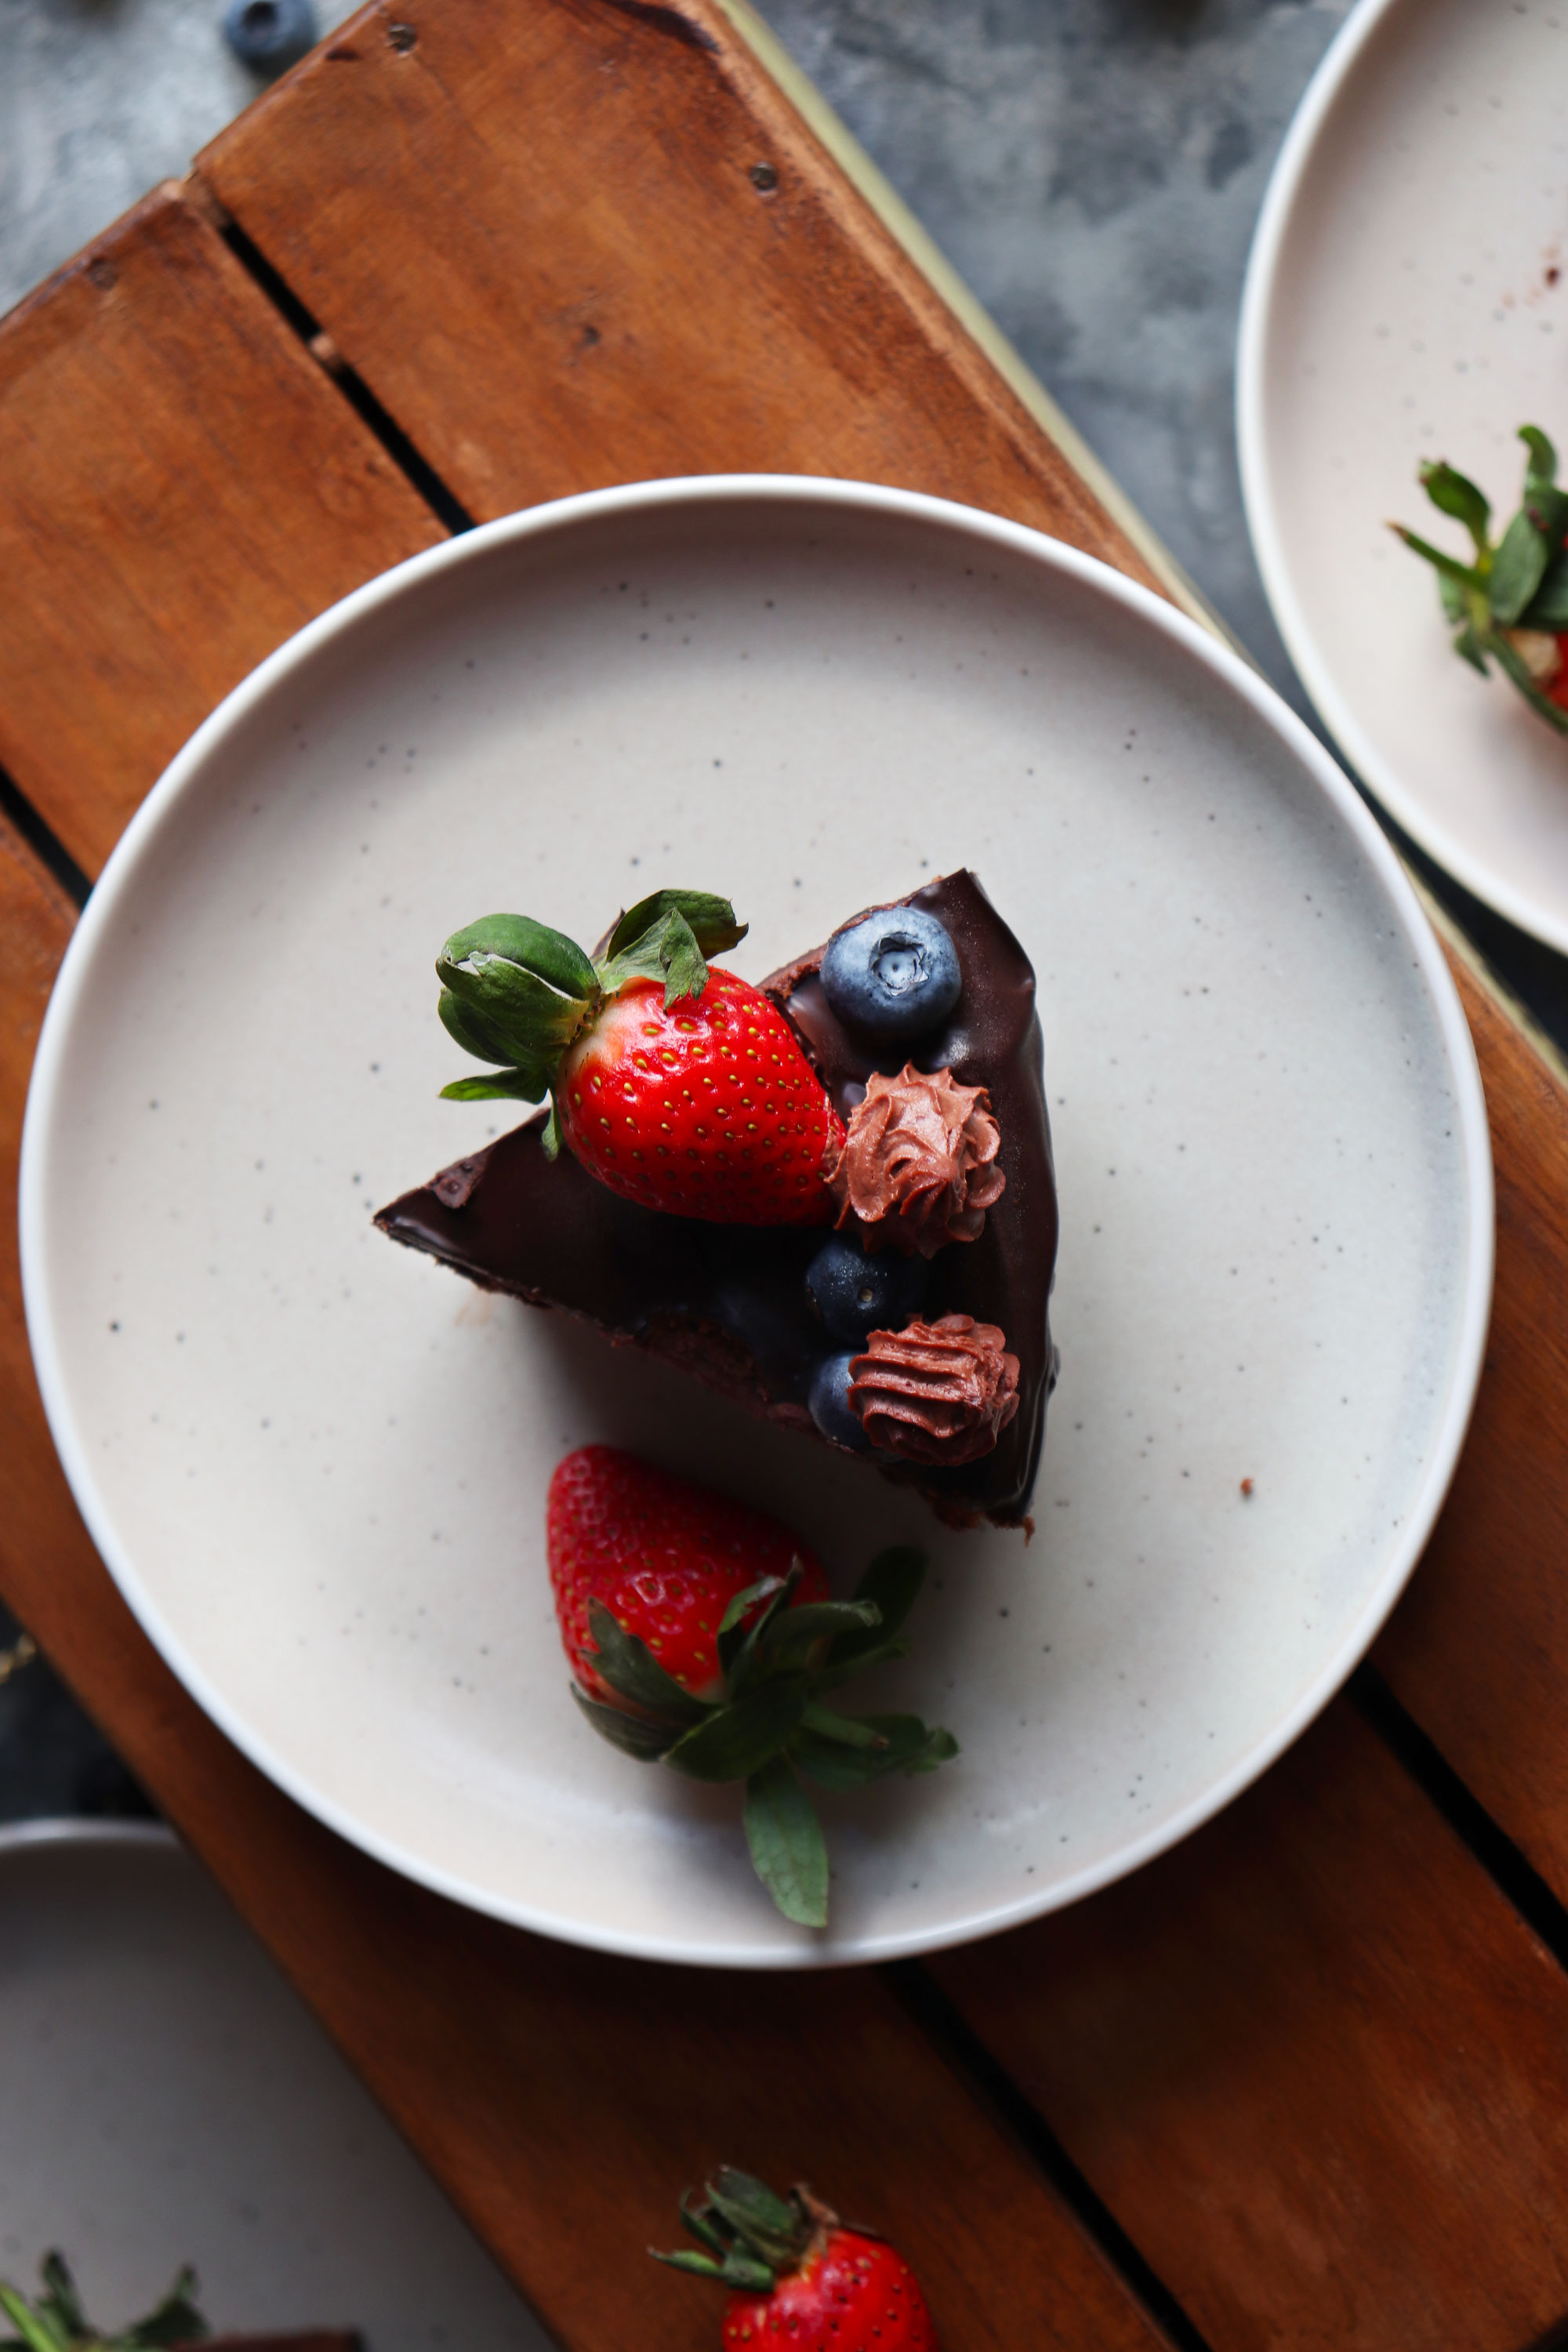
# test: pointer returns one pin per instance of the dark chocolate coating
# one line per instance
(729, 1302)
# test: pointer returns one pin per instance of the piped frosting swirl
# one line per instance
(940, 1392)
(918, 1164)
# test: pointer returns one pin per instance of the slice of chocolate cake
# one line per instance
(919, 1333)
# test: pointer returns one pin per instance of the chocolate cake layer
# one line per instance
(729, 1303)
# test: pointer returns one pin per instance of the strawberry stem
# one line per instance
(753, 2238)
(842, 1728)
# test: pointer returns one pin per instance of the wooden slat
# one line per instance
(181, 488)
(562, 2099)
(35, 920)
(1314, 2064)
(603, 293)
(1478, 1650)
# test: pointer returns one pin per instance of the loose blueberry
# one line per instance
(894, 976)
(830, 1406)
(855, 1295)
(268, 34)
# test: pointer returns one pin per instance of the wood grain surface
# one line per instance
(620, 299)
(562, 2098)
(1478, 1650)
(181, 488)
(1315, 2064)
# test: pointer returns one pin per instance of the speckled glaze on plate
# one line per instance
(169, 2099)
(1407, 298)
(316, 1464)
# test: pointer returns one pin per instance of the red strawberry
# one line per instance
(703, 1638)
(665, 1558)
(706, 1106)
(801, 2276)
(683, 1088)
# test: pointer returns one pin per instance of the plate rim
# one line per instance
(184, 774)
(1260, 288)
(50, 1830)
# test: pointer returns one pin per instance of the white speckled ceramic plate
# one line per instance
(168, 2099)
(316, 1463)
(1407, 298)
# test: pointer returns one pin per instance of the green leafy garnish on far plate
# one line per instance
(55, 2320)
(1509, 602)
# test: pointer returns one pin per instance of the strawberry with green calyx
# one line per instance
(800, 2275)
(56, 2322)
(681, 1087)
(755, 1662)
(1510, 604)
(664, 1556)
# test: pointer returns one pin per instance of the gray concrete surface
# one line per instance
(98, 100)
(1094, 168)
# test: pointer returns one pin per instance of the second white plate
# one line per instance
(169, 2099)
(317, 1463)
(1407, 298)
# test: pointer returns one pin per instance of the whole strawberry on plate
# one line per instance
(681, 1087)
(800, 2275)
(702, 1638)
(1509, 602)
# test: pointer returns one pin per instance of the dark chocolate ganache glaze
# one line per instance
(729, 1303)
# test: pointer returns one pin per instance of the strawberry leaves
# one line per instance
(668, 937)
(632, 1734)
(1452, 494)
(1509, 603)
(752, 2237)
(1517, 569)
(55, 2321)
(740, 1739)
(778, 1663)
(789, 1852)
(516, 993)
(633, 1673)
(710, 920)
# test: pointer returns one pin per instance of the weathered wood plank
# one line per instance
(181, 488)
(1478, 1650)
(1314, 2062)
(642, 264)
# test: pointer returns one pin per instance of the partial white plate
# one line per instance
(168, 2099)
(1407, 298)
(316, 1464)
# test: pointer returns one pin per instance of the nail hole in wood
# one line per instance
(764, 176)
(103, 274)
(402, 37)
